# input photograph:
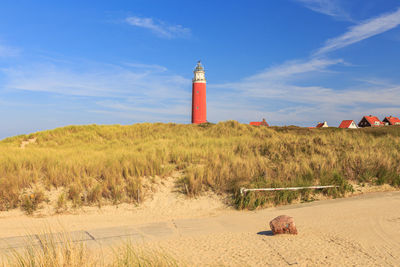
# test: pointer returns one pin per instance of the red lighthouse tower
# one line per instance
(199, 106)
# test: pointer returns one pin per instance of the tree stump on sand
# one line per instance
(283, 224)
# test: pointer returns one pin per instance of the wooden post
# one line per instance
(187, 190)
(244, 190)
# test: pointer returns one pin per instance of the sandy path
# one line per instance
(361, 231)
(358, 231)
(27, 142)
(165, 205)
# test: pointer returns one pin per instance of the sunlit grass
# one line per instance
(97, 164)
(59, 250)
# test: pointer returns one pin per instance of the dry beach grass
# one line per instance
(61, 251)
(97, 165)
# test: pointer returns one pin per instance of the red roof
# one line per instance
(392, 120)
(372, 119)
(259, 123)
(345, 124)
(322, 124)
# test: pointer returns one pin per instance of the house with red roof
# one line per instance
(370, 121)
(391, 120)
(322, 125)
(348, 124)
(259, 123)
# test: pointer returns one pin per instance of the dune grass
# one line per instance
(98, 164)
(58, 250)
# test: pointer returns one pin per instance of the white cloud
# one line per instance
(7, 51)
(362, 31)
(159, 28)
(295, 67)
(98, 80)
(277, 78)
(137, 90)
(150, 67)
(276, 95)
(327, 7)
(149, 111)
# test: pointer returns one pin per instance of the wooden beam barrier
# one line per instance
(245, 190)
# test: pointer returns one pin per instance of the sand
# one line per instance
(166, 204)
(358, 231)
(27, 142)
(363, 231)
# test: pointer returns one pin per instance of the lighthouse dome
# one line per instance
(199, 67)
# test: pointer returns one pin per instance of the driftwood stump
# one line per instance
(283, 224)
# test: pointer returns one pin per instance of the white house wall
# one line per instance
(353, 126)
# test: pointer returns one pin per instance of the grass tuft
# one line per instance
(58, 250)
(30, 200)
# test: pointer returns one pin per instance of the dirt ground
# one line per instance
(357, 231)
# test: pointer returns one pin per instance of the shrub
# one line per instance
(61, 204)
(75, 194)
(9, 194)
(31, 201)
(133, 189)
(94, 195)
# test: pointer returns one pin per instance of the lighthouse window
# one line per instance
(197, 92)
(197, 107)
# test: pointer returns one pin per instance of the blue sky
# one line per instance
(293, 62)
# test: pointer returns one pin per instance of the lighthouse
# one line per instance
(199, 106)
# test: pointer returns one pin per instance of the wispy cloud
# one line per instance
(159, 28)
(180, 108)
(98, 80)
(295, 67)
(129, 90)
(327, 7)
(362, 31)
(277, 79)
(277, 95)
(7, 51)
(150, 67)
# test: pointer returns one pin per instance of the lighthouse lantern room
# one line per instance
(199, 106)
